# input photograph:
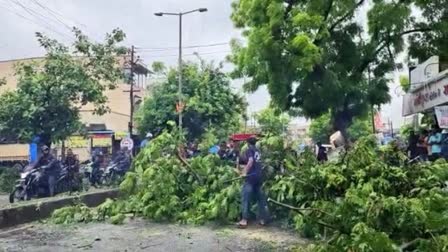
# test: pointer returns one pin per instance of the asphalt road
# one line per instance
(140, 235)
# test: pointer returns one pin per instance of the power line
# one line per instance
(36, 15)
(175, 48)
(59, 17)
(56, 14)
(51, 13)
(31, 20)
(191, 54)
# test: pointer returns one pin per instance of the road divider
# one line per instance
(37, 210)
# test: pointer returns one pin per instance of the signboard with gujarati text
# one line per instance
(427, 97)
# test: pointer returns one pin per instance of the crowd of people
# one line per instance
(428, 145)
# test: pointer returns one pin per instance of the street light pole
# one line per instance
(180, 73)
(180, 105)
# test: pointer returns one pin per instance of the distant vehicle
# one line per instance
(14, 155)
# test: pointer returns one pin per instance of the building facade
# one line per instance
(103, 132)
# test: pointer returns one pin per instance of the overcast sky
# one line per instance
(20, 19)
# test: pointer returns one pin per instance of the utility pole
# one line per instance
(131, 93)
(180, 105)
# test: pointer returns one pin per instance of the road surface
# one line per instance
(140, 235)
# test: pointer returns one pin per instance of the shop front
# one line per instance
(428, 97)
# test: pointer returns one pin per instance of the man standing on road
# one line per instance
(252, 185)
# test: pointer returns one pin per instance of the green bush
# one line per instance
(8, 177)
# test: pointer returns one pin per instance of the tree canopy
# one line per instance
(51, 91)
(320, 128)
(210, 102)
(272, 122)
(316, 55)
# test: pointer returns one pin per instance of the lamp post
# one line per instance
(180, 15)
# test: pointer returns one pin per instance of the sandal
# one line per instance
(241, 226)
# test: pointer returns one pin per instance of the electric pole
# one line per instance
(131, 93)
(180, 104)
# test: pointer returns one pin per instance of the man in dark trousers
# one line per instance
(50, 170)
(321, 153)
(252, 185)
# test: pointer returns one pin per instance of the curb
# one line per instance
(40, 210)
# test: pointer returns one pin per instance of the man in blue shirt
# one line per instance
(435, 141)
(145, 141)
(252, 185)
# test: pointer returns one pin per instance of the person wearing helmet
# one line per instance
(97, 160)
(145, 141)
(252, 185)
(71, 161)
(122, 160)
(50, 167)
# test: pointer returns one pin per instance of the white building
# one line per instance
(429, 88)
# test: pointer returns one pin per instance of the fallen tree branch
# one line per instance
(406, 245)
(185, 162)
(299, 210)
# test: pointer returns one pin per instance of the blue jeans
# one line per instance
(253, 190)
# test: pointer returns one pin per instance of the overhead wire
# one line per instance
(156, 49)
(52, 14)
(39, 19)
(56, 14)
(189, 54)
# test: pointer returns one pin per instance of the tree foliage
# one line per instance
(209, 102)
(320, 128)
(404, 83)
(51, 91)
(315, 55)
(272, 122)
(370, 200)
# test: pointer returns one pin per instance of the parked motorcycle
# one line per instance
(32, 184)
(112, 175)
(94, 176)
(69, 180)
(23, 188)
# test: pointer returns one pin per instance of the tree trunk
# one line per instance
(341, 122)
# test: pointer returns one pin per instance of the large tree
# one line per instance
(320, 128)
(51, 91)
(210, 102)
(314, 55)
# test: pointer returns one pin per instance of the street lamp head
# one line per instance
(203, 9)
(159, 14)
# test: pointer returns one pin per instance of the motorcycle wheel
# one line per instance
(19, 195)
(12, 196)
